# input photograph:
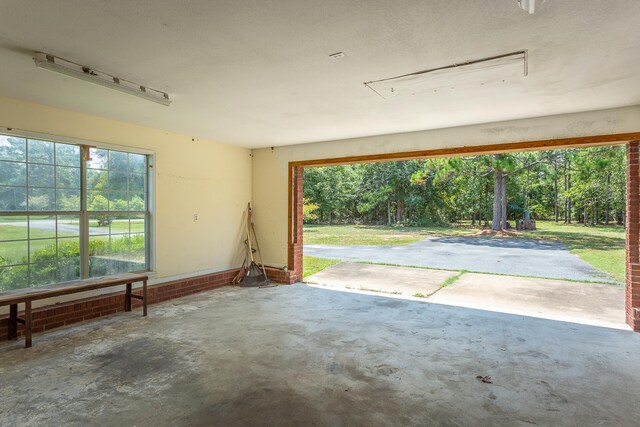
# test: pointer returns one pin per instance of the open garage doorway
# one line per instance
(539, 233)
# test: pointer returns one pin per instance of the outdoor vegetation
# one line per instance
(40, 202)
(584, 186)
(576, 196)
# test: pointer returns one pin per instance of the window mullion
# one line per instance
(84, 217)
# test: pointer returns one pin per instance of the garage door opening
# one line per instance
(538, 233)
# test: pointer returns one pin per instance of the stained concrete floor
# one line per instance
(597, 304)
(297, 355)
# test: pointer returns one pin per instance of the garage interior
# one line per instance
(244, 96)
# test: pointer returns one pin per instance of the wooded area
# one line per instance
(584, 185)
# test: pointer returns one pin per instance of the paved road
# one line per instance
(523, 257)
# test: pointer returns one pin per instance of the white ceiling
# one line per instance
(258, 73)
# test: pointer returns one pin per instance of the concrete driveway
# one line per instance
(523, 257)
(587, 303)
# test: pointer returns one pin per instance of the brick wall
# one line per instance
(57, 315)
(633, 236)
(295, 247)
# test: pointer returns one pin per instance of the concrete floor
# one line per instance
(298, 355)
(595, 304)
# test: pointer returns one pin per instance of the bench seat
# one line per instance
(17, 296)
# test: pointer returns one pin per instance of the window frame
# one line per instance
(84, 213)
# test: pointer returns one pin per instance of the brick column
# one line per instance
(633, 235)
(295, 245)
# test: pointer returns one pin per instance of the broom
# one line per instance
(253, 275)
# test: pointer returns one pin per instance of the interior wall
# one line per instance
(270, 166)
(190, 176)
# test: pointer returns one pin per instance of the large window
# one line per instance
(63, 218)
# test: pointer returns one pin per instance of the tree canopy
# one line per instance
(572, 185)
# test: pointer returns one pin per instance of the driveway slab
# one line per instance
(589, 303)
(381, 278)
(524, 257)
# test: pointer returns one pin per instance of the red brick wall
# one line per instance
(295, 247)
(633, 235)
(54, 316)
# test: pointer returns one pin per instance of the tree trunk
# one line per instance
(473, 218)
(607, 196)
(584, 219)
(388, 212)
(555, 191)
(503, 200)
(497, 198)
(400, 210)
(569, 197)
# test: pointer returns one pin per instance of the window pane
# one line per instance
(138, 242)
(68, 259)
(12, 148)
(13, 198)
(41, 199)
(137, 163)
(13, 228)
(118, 201)
(14, 252)
(68, 200)
(67, 177)
(12, 173)
(97, 179)
(99, 158)
(43, 273)
(43, 176)
(42, 251)
(68, 225)
(100, 224)
(42, 227)
(136, 202)
(40, 176)
(96, 201)
(117, 181)
(40, 151)
(15, 277)
(136, 182)
(118, 161)
(67, 155)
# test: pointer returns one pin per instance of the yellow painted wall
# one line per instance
(190, 176)
(270, 198)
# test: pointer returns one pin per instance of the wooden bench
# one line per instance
(17, 296)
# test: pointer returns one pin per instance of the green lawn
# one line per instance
(312, 265)
(376, 235)
(603, 247)
(16, 251)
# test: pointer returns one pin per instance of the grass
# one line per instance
(357, 235)
(16, 251)
(313, 265)
(453, 279)
(603, 247)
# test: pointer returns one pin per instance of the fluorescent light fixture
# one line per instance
(529, 5)
(496, 69)
(59, 65)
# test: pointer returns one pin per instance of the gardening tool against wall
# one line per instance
(251, 274)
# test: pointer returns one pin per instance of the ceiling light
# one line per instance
(496, 69)
(59, 65)
(337, 55)
(530, 5)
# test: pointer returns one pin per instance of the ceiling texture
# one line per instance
(259, 73)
